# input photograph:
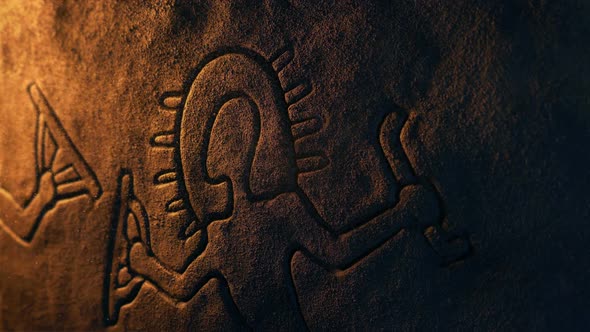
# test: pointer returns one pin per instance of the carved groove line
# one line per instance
(62, 174)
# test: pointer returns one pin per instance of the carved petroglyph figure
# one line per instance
(62, 173)
(238, 165)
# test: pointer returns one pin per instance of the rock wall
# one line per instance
(292, 165)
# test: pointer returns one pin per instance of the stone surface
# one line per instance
(278, 165)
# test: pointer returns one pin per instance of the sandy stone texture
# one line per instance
(291, 165)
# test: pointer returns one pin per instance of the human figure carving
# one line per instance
(238, 156)
(252, 248)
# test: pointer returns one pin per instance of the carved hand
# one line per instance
(47, 188)
(138, 257)
(421, 203)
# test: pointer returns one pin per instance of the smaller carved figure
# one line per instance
(62, 173)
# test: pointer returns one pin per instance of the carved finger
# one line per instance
(132, 231)
(123, 277)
